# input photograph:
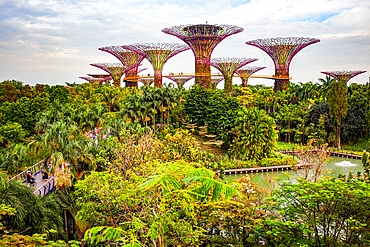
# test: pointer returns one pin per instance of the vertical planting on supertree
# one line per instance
(180, 81)
(157, 54)
(246, 72)
(128, 59)
(228, 66)
(202, 38)
(343, 75)
(282, 51)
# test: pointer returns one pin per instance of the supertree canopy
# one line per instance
(100, 75)
(245, 73)
(202, 38)
(215, 80)
(180, 81)
(228, 66)
(116, 70)
(128, 58)
(282, 51)
(147, 81)
(98, 80)
(157, 54)
(344, 75)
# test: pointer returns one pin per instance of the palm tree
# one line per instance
(326, 86)
(33, 214)
(15, 159)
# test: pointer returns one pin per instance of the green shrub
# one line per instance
(214, 108)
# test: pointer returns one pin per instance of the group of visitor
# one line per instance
(31, 177)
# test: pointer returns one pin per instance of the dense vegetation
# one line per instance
(152, 176)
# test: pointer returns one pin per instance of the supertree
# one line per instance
(98, 80)
(147, 81)
(228, 66)
(344, 75)
(215, 80)
(116, 70)
(245, 73)
(100, 75)
(202, 38)
(157, 54)
(282, 51)
(128, 58)
(180, 81)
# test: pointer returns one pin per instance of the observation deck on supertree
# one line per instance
(116, 70)
(180, 81)
(228, 66)
(282, 51)
(215, 80)
(245, 73)
(343, 75)
(98, 80)
(202, 38)
(157, 54)
(128, 58)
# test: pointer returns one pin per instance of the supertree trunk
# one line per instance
(158, 78)
(244, 81)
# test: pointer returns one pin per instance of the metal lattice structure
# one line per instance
(215, 80)
(282, 51)
(180, 81)
(202, 38)
(344, 75)
(157, 54)
(147, 81)
(116, 70)
(228, 66)
(99, 75)
(95, 79)
(245, 73)
(128, 59)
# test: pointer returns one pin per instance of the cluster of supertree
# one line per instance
(202, 39)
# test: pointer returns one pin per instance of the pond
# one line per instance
(336, 165)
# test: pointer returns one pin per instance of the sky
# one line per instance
(53, 42)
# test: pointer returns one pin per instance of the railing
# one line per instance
(46, 188)
(35, 169)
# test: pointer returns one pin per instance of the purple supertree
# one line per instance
(97, 80)
(147, 81)
(202, 38)
(180, 80)
(100, 75)
(215, 80)
(157, 54)
(343, 75)
(245, 73)
(228, 66)
(128, 58)
(116, 70)
(282, 51)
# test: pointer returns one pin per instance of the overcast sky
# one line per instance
(52, 42)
